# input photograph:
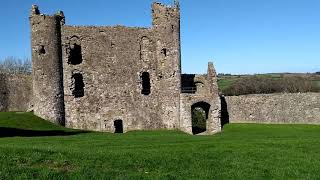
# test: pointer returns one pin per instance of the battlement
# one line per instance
(161, 13)
(164, 15)
(176, 5)
(36, 12)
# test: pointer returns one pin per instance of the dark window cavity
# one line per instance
(42, 50)
(118, 126)
(164, 52)
(224, 111)
(187, 83)
(75, 56)
(105, 124)
(78, 89)
(145, 83)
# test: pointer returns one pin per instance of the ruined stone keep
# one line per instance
(116, 78)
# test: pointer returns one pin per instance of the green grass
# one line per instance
(241, 151)
(317, 83)
(225, 83)
(26, 121)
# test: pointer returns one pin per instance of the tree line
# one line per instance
(15, 65)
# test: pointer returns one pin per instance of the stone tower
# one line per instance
(166, 27)
(47, 65)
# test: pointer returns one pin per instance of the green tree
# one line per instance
(198, 120)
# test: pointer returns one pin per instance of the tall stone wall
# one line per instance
(15, 92)
(300, 108)
(111, 69)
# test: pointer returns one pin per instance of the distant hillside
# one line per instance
(268, 83)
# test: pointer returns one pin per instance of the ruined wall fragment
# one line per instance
(15, 92)
(287, 108)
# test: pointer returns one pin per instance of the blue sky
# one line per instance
(239, 36)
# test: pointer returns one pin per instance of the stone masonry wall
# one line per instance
(92, 77)
(111, 75)
(47, 65)
(15, 92)
(300, 108)
(108, 74)
(166, 28)
(205, 96)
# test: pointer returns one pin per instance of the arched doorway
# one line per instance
(199, 117)
(118, 126)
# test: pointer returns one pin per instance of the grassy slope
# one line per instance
(26, 121)
(226, 81)
(241, 151)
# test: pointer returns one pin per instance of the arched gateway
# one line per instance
(199, 115)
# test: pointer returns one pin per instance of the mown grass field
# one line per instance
(241, 151)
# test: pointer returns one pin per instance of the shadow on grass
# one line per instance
(12, 132)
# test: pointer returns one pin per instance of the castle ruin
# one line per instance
(116, 78)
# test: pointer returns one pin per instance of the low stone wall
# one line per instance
(297, 108)
(15, 92)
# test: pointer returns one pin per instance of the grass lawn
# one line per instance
(241, 151)
(225, 83)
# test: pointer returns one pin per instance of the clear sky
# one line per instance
(239, 36)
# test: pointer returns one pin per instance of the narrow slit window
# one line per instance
(145, 83)
(164, 52)
(78, 89)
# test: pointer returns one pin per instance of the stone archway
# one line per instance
(199, 117)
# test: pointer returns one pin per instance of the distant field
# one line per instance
(317, 83)
(241, 151)
(227, 81)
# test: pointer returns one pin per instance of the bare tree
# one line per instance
(15, 65)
